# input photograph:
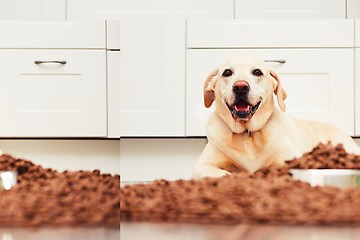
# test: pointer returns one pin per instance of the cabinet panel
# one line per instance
(152, 78)
(156, 9)
(113, 90)
(52, 34)
(319, 83)
(353, 8)
(270, 33)
(357, 33)
(32, 10)
(53, 99)
(310, 9)
(357, 91)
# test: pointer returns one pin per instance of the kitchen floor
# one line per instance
(173, 231)
(65, 233)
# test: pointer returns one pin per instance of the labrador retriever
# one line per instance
(249, 128)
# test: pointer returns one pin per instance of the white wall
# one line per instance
(147, 159)
(67, 154)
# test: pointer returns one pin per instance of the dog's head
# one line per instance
(242, 89)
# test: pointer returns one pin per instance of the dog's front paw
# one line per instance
(208, 171)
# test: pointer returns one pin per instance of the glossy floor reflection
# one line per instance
(59, 234)
(165, 231)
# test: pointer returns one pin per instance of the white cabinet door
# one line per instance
(113, 91)
(357, 91)
(32, 9)
(159, 9)
(245, 9)
(152, 78)
(53, 99)
(319, 83)
(357, 77)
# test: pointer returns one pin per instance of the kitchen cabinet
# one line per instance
(32, 10)
(52, 34)
(113, 77)
(319, 81)
(53, 79)
(305, 9)
(357, 91)
(113, 91)
(269, 33)
(152, 77)
(156, 9)
(357, 77)
(353, 9)
(53, 99)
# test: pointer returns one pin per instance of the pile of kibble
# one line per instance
(45, 197)
(270, 195)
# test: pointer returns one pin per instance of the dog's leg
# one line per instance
(209, 164)
(202, 171)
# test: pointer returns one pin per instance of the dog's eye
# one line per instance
(257, 72)
(227, 73)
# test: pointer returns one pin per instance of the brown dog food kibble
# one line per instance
(45, 197)
(269, 195)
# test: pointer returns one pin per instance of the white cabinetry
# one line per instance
(353, 9)
(152, 78)
(32, 10)
(150, 72)
(269, 33)
(57, 92)
(155, 9)
(310, 9)
(357, 91)
(113, 77)
(319, 81)
(357, 77)
(113, 74)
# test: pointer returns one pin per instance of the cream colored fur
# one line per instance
(269, 137)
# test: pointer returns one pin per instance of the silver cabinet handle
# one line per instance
(42, 62)
(277, 61)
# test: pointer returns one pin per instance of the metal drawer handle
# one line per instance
(42, 62)
(277, 61)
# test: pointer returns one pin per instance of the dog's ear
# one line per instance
(209, 89)
(279, 91)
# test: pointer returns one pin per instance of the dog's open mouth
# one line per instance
(243, 110)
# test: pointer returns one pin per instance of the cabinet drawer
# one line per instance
(155, 9)
(52, 34)
(310, 9)
(270, 33)
(32, 10)
(319, 83)
(53, 99)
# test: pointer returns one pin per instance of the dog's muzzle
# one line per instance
(241, 109)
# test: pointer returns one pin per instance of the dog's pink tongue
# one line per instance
(242, 106)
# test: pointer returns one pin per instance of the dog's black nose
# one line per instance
(241, 87)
